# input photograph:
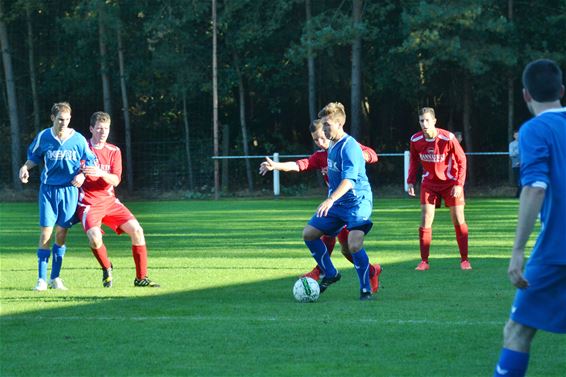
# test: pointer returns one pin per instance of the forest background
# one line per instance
(150, 64)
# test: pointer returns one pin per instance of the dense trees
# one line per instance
(279, 61)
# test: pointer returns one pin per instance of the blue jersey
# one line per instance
(346, 161)
(542, 145)
(61, 159)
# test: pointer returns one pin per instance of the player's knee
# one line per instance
(137, 235)
(310, 234)
(517, 337)
(94, 237)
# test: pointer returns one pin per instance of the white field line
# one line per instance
(197, 318)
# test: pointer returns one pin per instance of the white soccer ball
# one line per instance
(306, 290)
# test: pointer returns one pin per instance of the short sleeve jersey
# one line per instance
(61, 158)
(442, 158)
(346, 161)
(95, 190)
(542, 143)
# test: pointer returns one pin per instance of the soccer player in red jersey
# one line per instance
(319, 161)
(98, 204)
(444, 172)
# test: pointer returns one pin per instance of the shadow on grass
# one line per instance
(436, 318)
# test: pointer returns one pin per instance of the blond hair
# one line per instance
(334, 110)
(60, 107)
(425, 110)
(99, 116)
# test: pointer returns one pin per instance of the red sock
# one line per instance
(425, 239)
(329, 242)
(139, 253)
(462, 238)
(101, 256)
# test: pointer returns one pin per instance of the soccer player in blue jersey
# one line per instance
(61, 150)
(540, 302)
(349, 202)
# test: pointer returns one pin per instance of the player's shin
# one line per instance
(462, 239)
(42, 262)
(139, 252)
(320, 254)
(425, 239)
(361, 263)
(101, 255)
(57, 263)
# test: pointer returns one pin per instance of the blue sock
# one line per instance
(512, 363)
(320, 254)
(42, 261)
(58, 253)
(361, 263)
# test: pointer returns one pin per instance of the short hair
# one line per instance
(99, 116)
(60, 107)
(333, 110)
(425, 110)
(315, 125)
(543, 80)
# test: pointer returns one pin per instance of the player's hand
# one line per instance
(93, 171)
(411, 190)
(266, 166)
(24, 174)
(515, 270)
(457, 191)
(324, 207)
(78, 180)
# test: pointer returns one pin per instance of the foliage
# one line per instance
(414, 52)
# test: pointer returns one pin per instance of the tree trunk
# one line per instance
(12, 102)
(310, 62)
(468, 129)
(187, 142)
(126, 113)
(32, 75)
(242, 95)
(215, 104)
(104, 72)
(356, 70)
(510, 103)
(225, 149)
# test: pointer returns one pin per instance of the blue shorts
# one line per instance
(356, 217)
(542, 305)
(57, 205)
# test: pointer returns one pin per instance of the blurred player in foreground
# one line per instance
(444, 172)
(540, 302)
(319, 161)
(61, 150)
(98, 204)
(349, 202)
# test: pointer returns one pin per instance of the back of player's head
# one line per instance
(543, 80)
(425, 110)
(60, 107)
(316, 125)
(334, 110)
(99, 116)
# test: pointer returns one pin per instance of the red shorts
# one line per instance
(113, 216)
(434, 196)
(343, 236)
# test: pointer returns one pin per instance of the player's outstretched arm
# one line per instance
(24, 171)
(270, 165)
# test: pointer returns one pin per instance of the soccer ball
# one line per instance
(306, 290)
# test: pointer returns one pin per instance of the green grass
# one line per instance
(226, 309)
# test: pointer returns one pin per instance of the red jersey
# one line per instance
(96, 190)
(319, 160)
(442, 158)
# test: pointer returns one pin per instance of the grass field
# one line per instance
(226, 309)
